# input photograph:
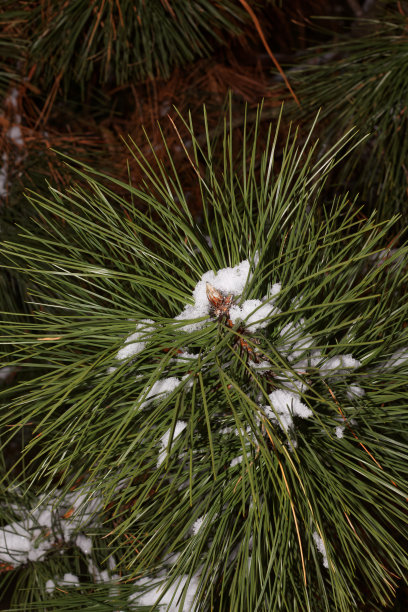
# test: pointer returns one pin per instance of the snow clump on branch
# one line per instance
(136, 342)
(170, 598)
(164, 441)
(230, 281)
(321, 548)
(40, 529)
(217, 294)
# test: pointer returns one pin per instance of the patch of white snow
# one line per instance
(321, 548)
(136, 342)
(164, 441)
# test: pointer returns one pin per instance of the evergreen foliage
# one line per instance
(246, 441)
(12, 46)
(360, 79)
(122, 41)
(203, 355)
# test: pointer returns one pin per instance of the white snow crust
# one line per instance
(398, 358)
(230, 281)
(198, 524)
(40, 528)
(136, 342)
(340, 431)
(354, 391)
(255, 313)
(321, 548)
(161, 388)
(171, 599)
(287, 404)
(338, 365)
(178, 428)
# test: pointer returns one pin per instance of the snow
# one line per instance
(40, 528)
(189, 381)
(354, 391)
(226, 280)
(198, 524)
(82, 509)
(287, 404)
(382, 256)
(398, 358)
(97, 574)
(321, 548)
(15, 135)
(21, 541)
(84, 543)
(133, 343)
(12, 98)
(186, 357)
(255, 313)
(171, 558)
(227, 430)
(179, 427)
(289, 381)
(338, 365)
(310, 361)
(101, 576)
(161, 387)
(274, 289)
(69, 580)
(31, 538)
(164, 441)
(171, 598)
(6, 372)
(192, 312)
(236, 461)
(262, 365)
(340, 431)
(230, 281)
(296, 341)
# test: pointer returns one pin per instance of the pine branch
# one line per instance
(122, 41)
(360, 80)
(237, 446)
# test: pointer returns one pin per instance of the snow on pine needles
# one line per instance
(218, 296)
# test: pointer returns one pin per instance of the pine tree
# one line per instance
(215, 411)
